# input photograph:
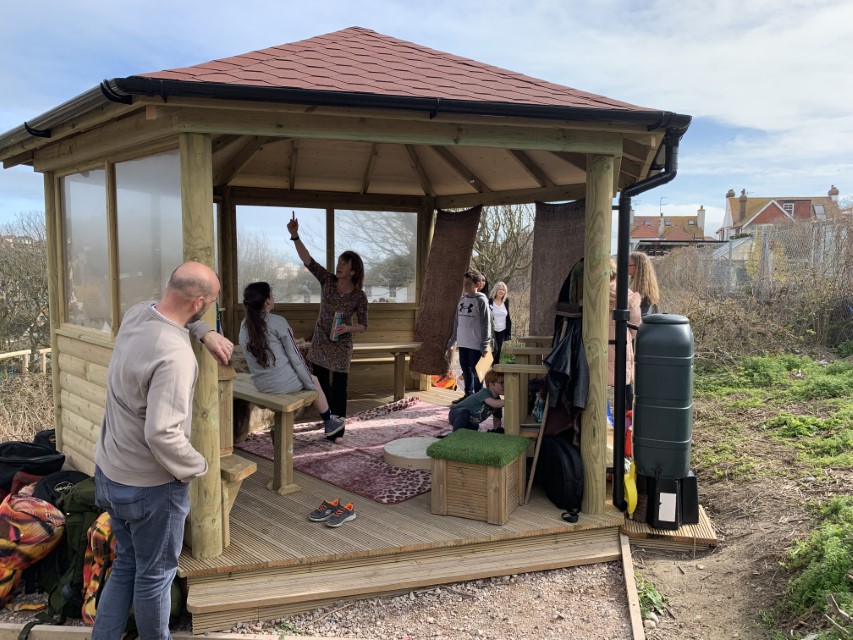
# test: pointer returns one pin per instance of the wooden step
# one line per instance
(272, 593)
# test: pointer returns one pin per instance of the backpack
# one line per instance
(61, 574)
(29, 529)
(24, 456)
(46, 438)
(560, 472)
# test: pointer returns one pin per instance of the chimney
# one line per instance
(833, 193)
(730, 193)
(743, 200)
(700, 219)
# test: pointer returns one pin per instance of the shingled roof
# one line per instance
(358, 60)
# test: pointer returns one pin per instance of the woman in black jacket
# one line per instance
(501, 320)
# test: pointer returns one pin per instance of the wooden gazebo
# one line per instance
(143, 172)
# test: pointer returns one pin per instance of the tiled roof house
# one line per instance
(659, 234)
(744, 213)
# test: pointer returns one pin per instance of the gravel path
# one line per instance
(579, 602)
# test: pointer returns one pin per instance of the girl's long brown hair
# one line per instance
(255, 296)
(644, 281)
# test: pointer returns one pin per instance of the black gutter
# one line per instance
(672, 137)
(138, 85)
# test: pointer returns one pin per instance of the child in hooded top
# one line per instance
(474, 409)
(471, 330)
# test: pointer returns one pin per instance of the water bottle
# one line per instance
(338, 321)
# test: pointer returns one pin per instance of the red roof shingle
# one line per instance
(358, 60)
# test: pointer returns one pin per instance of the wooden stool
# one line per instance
(478, 475)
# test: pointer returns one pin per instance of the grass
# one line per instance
(789, 416)
(26, 406)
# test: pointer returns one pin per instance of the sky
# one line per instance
(769, 84)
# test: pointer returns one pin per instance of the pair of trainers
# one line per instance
(333, 513)
(334, 425)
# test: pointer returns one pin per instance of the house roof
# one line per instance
(358, 60)
(679, 228)
(803, 207)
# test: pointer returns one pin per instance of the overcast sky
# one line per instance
(769, 83)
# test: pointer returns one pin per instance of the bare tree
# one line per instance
(503, 249)
(24, 319)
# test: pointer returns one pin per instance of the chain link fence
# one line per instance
(781, 288)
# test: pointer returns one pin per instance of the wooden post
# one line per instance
(197, 206)
(228, 260)
(596, 313)
(53, 244)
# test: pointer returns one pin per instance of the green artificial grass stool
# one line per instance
(478, 475)
(477, 447)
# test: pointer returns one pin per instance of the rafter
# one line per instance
(426, 185)
(240, 159)
(294, 156)
(577, 160)
(532, 168)
(368, 170)
(459, 167)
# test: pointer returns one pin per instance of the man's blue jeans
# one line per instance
(468, 359)
(148, 525)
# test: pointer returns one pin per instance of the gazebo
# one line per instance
(143, 172)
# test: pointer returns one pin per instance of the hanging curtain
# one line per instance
(449, 259)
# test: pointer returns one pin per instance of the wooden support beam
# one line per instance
(294, 157)
(112, 244)
(370, 129)
(577, 160)
(241, 158)
(229, 297)
(220, 143)
(518, 196)
(56, 307)
(459, 167)
(322, 199)
(197, 208)
(368, 170)
(596, 310)
(532, 168)
(418, 168)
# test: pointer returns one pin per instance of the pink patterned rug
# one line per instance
(357, 465)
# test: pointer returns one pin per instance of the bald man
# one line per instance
(144, 459)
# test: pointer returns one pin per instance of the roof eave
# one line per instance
(122, 89)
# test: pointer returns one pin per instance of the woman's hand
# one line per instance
(293, 227)
(341, 329)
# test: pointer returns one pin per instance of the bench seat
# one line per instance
(233, 469)
(283, 406)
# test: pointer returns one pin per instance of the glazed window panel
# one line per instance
(387, 242)
(265, 252)
(88, 298)
(150, 233)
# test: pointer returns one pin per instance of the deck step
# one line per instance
(272, 593)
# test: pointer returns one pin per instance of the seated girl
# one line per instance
(275, 364)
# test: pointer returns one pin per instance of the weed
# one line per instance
(287, 627)
(845, 349)
(651, 599)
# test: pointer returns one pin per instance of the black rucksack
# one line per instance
(560, 472)
(25, 456)
(46, 438)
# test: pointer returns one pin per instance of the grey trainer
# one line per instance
(343, 513)
(334, 425)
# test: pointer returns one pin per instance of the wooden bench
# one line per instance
(365, 353)
(233, 469)
(283, 405)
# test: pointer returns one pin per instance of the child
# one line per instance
(471, 331)
(473, 410)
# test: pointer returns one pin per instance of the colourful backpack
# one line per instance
(29, 530)
(100, 553)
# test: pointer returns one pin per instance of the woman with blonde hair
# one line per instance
(644, 281)
(501, 320)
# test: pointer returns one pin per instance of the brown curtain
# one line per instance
(557, 246)
(449, 257)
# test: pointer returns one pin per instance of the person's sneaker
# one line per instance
(324, 511)
(333, 426)
(458, 400)
(342, 514)
(496, 430)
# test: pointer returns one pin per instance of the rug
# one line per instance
(358, 465)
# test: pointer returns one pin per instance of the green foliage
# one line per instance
(820, 563)
(845, 349)
(650, 598)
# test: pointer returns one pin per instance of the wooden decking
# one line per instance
(280, 563)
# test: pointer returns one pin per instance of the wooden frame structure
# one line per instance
(330, 146)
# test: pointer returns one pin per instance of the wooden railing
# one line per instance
(25, 355)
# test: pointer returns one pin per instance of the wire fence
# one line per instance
(781, 287)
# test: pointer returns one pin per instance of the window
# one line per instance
(788, 207)
(819, 212)
(667, 223)
(387, 243)
(265, 252)
(88, 298)
(648, 223)
(150, 227)
(691, 223)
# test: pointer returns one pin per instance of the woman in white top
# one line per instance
(501, 320)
